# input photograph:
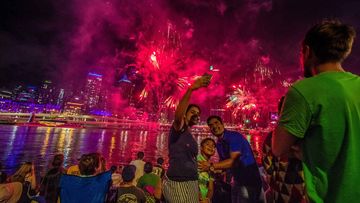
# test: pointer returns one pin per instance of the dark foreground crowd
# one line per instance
(311, 156)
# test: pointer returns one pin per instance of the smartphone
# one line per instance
(208, 75)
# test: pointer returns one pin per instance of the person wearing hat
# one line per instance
(127, 192)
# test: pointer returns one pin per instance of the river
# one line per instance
(118, 146)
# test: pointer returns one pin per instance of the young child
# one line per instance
(206, 182)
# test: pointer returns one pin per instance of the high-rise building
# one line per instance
(73, 108)
(92, 91)
(16, 91)
(27, 95)
(5, 94)
(47, 93)
(60, 99)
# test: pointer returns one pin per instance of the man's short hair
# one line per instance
(330, 40)
(140, 155)
(160, 160)
(148, 167)
(113, 168)
(193, 105)
(212, 117)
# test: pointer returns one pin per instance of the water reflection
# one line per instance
(118, 146)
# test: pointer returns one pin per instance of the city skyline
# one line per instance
(39, 38)
(147, 54)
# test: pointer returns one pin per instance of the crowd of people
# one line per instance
(310, 156)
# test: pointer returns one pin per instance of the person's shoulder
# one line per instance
(351, 75)
(138, 190)
(230, 134)
(155, 176)
(73, 169)
(322, 78)
(304, 83)
(174, 131)
(137, 162)
(105, 175)
(150, 174)
(141, 179)
(314, 80)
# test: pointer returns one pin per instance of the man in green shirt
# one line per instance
(320, 118)
(150, 183)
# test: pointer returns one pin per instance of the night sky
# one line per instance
(61, 40)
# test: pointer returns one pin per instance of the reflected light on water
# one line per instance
(46, 142)
(118, 146)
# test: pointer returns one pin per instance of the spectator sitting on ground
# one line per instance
(116, 176)
(26, 176)
(158, 169)
(139, 164)
(74, 169)
(89, 165)
(99, 161)
(150, 183)
(127, 192)
(89, 187)
(49, 187)
(11, 192)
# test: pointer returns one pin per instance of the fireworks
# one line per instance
(286, 83)
(143, 94)
(171, 102)
(165, 69)
(153, 60)
(183, 83)
(257, 95)
(162, 68)
(240, 100)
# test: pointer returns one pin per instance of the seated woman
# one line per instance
(10, 192)
(206, 181)
(49, 187)
(26, 176)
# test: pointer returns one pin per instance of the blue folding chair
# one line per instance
(93, 189)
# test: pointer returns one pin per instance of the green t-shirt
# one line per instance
(324, 111)
(148, 179)
(204, 179)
